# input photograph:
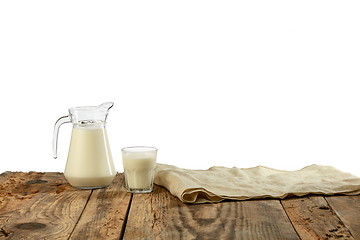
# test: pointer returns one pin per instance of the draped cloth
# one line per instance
(219, 183)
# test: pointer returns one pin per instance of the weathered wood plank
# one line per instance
(105, 212)
(3, 178)
(7, 180)
(313, 218)
(159, 215)
(3, 175)
(348, 209)
(15, 191)
(51, 210)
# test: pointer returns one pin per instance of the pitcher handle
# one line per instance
(58, 123)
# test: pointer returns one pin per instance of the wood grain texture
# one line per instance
(313, 218)
(44, 206)
(16, 189)
(160, 215)
(10, 189)
(348, 209)
(104, 215)
(51, 210)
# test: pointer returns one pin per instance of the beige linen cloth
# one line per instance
(220, 183)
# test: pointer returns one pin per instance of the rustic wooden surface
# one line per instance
(313, 218)
(161, 216)
(44, 206)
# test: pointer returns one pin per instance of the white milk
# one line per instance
(139, 169)
(89, 162)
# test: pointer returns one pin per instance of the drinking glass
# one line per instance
(139, 164)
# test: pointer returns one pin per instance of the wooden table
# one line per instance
(44, 206)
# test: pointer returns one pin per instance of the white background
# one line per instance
(209, 83)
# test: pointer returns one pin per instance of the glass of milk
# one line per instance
(139, 165)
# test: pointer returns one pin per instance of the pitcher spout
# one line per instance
(105, 106)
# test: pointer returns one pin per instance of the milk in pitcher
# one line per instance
(89, 163)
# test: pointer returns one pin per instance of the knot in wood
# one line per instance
(30, 226)
(36, 181)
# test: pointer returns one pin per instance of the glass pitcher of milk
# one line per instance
(89, 164)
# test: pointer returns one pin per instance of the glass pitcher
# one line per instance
(89, 164)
